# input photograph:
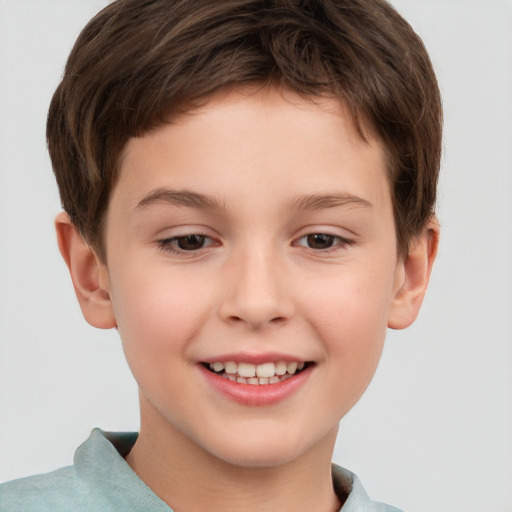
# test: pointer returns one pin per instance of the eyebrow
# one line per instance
(180, 198)
(201, 201)
(319, 201)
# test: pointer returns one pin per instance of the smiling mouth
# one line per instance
(257, 374)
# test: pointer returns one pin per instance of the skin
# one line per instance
(256, 286)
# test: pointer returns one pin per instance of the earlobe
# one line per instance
(88, 273)
(413, 276)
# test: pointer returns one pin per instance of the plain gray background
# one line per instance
(434, 430)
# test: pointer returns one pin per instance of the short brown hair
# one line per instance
(139, 62)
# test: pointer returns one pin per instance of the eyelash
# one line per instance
(338, 242)
(170, 245)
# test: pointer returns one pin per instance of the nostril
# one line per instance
(254, 311)
(255, 324)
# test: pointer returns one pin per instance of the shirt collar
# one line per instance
(99, 462)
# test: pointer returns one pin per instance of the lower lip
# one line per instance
(257, 394)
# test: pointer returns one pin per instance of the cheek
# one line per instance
(353, 330)
(354, 300)
(350, 317)
(157, 316)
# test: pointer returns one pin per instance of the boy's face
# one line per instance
(258, 229)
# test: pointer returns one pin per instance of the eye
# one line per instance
(190, 242)
(322, 241)
(185, 243)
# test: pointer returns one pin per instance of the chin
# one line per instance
(260, 460)
(259, 453)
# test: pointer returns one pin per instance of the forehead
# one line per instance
(294, 143)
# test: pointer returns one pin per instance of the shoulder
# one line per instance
(57, 491)
(99, 480)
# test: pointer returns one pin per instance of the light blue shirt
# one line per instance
(100, 480)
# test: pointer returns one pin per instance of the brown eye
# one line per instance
(323, 243)
(190, 242)
(320, 241)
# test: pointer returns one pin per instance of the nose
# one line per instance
(256, 292)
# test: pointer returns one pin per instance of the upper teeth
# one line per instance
(265, 370)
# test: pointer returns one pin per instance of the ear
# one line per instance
(88, 273)
(412, 277)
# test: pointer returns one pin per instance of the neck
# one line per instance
(189, 479)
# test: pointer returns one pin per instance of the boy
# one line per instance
(249, 191)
